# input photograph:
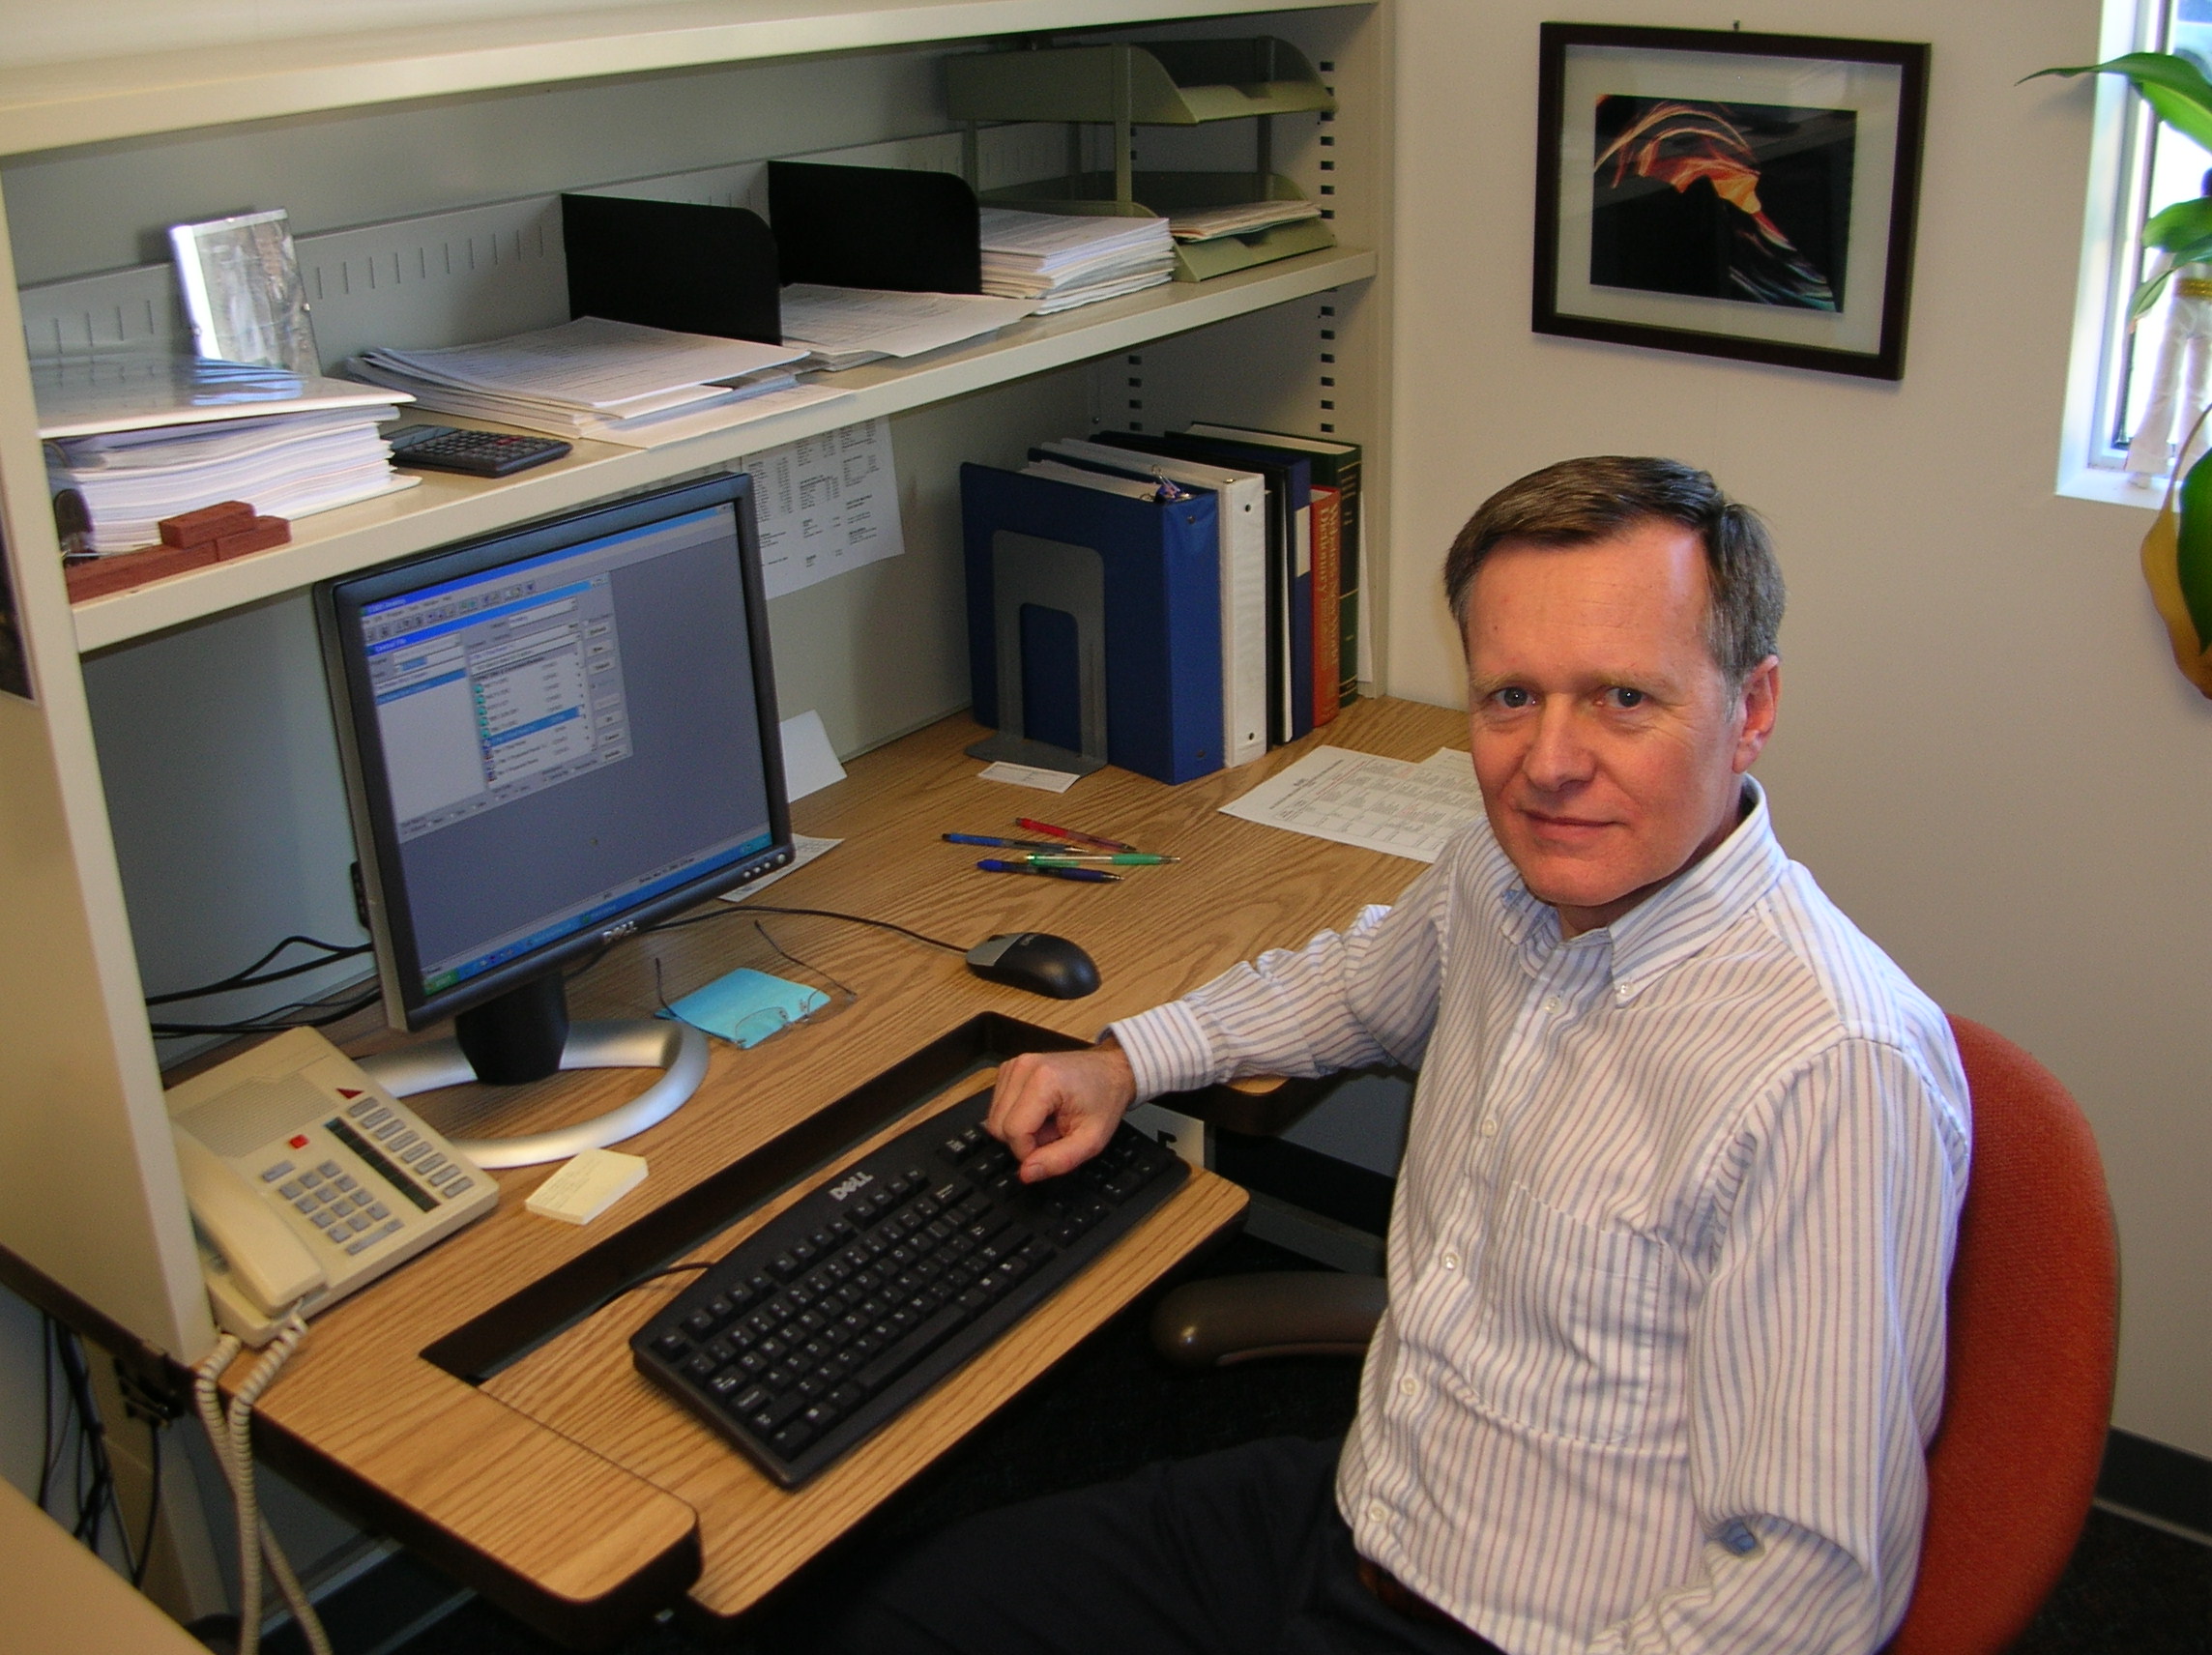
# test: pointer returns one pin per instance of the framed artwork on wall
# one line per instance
(1728, 195)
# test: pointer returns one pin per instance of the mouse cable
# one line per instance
(739, 910)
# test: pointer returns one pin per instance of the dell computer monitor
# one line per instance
(553, 737)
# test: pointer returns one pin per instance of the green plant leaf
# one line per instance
(2146, 296)
(2173, 86)
(2180, 225)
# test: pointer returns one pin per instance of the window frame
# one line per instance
(2090, 464)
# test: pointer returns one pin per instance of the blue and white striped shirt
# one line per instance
(1669, 1256)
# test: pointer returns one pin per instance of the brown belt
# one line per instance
(1394, 1594)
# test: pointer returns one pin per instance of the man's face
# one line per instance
(1607, 743)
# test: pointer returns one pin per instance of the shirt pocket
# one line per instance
(1569, 1328)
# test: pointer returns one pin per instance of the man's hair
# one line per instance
(1577, 501)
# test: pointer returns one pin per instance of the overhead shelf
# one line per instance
(448, 508)
(96, 100)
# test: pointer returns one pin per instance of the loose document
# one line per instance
(825, 505)
(1392, 805)
(847, 326)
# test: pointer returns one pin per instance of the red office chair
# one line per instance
(2034, 1327)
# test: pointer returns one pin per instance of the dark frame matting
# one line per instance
(1887, 360)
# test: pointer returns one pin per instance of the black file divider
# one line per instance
(876, 226)
(686, 266)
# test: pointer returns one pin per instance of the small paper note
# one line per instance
(587, 1186)
(1028, 775)
(746, 1007)
(808, 764)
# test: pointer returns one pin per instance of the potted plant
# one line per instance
(2177, 552)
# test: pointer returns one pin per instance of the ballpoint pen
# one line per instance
(1036, 826)
(1114, 859)
(1089, 875)
(1002, 844)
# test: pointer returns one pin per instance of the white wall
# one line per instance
(1985, 755)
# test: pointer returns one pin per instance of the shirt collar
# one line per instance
(1674, 923)
(1701, 902)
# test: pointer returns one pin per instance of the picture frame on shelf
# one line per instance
(1729, 194)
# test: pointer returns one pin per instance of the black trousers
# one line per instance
(1239, 1553)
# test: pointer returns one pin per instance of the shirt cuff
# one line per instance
(1168, 1050)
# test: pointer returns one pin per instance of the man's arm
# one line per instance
(1367, 995)
(1816, 1369)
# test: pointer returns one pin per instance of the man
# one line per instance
(1667, 1266)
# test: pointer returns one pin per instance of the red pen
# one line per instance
(1036, 826)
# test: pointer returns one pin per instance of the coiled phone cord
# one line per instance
(230, 1436)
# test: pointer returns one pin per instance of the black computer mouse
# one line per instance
(1035, 961)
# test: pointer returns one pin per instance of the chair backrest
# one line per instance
(2034, 1328)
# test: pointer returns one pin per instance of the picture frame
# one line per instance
(239, 279)
(1729, 194)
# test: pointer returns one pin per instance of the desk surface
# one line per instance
(566, 1487)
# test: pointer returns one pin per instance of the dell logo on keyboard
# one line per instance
(858, 1181)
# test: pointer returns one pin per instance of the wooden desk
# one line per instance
(564, 1485)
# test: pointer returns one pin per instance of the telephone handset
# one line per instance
(306, 1180)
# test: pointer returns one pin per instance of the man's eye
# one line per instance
(1515, 697)
(1621, 696)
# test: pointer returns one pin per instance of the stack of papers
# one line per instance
(1063, 260)
(1209, 223)
(844, 327)
(600, 381)
(284, 465)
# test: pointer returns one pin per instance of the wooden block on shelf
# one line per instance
(122, 569)
(256, 536)
(209, 523)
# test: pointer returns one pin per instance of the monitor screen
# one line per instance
(555, 736)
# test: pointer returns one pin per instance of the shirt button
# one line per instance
(1622, 992)
(1552, 1004)
(1409, 1385)
(1490, 1126)
(1375, 1511)
(1450, 1261)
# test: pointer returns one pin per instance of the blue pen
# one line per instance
(1088, 876)
(1004, 844)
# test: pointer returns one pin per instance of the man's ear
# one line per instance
(1755, 704)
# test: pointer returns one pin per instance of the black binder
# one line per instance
(876, 226)
(673, 264)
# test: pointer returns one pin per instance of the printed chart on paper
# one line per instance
(825, 505)
(1392, 805)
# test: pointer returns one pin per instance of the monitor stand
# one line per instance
(524, 1036)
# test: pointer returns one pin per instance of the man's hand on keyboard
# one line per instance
(1056, 1110)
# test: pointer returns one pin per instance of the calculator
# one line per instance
(479, 453)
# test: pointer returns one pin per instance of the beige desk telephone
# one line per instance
(306, 1180)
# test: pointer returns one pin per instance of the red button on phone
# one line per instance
(298, 1143)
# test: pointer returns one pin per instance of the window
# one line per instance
(2137, 166)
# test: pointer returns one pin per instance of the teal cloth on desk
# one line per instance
(746, 1007)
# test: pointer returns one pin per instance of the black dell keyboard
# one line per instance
(824, 1324)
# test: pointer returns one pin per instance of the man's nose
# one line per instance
(1560, 756)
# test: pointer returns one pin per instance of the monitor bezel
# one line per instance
(338, 606)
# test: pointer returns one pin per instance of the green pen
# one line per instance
(1120, 860)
